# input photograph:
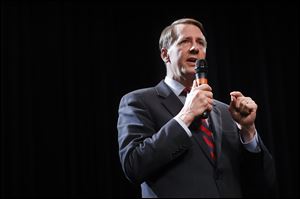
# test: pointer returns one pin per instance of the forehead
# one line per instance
(188, 30)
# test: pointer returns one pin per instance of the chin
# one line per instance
(190, 71)
(189, 75)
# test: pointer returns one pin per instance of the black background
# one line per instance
(66, 64)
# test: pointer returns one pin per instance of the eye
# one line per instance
(202, 42)
(183, 41)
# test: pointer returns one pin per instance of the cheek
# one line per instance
(175, 57)
(180, 56)
(203, 51)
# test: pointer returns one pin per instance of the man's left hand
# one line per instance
(243, 111)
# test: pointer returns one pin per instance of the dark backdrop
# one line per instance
(65, 66)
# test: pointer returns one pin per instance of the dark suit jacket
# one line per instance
(157, 153)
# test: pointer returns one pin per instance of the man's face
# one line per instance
(182, 55)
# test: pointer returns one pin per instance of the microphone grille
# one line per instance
(200, 65)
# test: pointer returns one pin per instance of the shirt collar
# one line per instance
(175, 86)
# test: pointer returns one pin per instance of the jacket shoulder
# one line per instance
(140, 93)
(160, 89)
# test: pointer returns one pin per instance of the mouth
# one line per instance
(191, 61)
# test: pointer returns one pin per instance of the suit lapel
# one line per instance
(173, 105)
(170, 101)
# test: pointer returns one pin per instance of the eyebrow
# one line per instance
(189, 37)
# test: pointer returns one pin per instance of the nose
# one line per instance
(194, 49)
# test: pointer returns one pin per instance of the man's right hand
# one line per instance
(199, 100)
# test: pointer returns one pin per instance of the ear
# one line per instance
(164, 55)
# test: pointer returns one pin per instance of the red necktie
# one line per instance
(208, 138)
(205, 131)
(185, 91)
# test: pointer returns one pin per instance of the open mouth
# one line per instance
(192, 60)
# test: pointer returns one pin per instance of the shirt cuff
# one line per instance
(252, 145)
(184, 126)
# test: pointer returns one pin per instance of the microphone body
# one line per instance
(201, 69)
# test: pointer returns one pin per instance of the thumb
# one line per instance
(194, 84)
(232, 104)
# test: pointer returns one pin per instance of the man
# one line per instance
(170, 151)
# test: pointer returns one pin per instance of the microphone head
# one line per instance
(201, 66)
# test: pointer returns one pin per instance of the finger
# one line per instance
(207, 104)
(208, 94)
(232, 104)
(245, 101)
(194, 84)
(236, 94)
(209, 107)
(232, 109)
(244, 111)
(204, 95)
(252, 106)
(247, 106)
(204, 87)
(241, 102)
(210, 101)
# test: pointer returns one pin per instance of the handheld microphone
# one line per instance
(201, 77)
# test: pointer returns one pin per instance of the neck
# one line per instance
(185, 81)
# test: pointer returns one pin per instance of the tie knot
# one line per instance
(185, 91)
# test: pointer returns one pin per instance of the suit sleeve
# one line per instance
(144, 148)
(257, 169)
(259, 173)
